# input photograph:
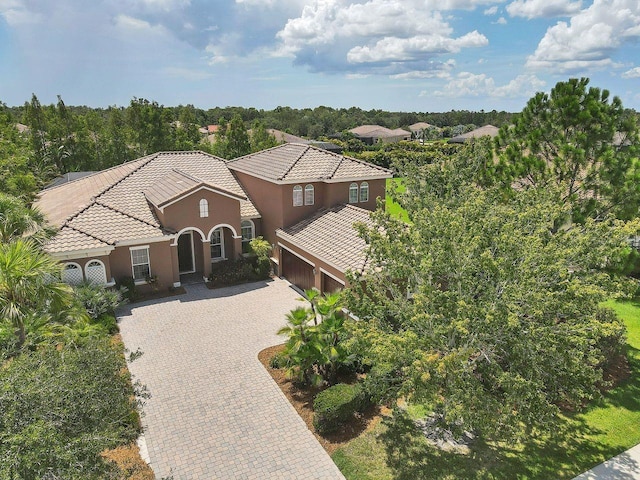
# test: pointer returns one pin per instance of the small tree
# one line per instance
(314, 351)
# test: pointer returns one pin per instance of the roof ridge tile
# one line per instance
(293, 164)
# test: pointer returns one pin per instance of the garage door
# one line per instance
(297, 271)
(329, 284)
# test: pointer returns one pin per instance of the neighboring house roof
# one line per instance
(486, 131)
(112, 206)
(330, 236)
(22, 128)
(293, 162)
(68, 177)
(281, 136)
(417, 127)
(377, 131)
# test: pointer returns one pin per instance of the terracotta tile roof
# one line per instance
(176, 184)
(416, 127)
(330, 236)
(486, 131)
(377, 131)
(111, 205)
(69, 239)
(59, 203)
(293, 162)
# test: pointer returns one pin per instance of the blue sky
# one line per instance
(401, 55)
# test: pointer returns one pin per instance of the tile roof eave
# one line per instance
(282, 235)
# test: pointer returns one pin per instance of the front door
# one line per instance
(185, 253)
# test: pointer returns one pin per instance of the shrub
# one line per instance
(279, 360)
(127, 286)
(55, 426)
(98, 300)
(335, 406)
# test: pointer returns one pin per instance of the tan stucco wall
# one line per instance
(267, 197)
(185, 213)
(83, 262)
(162, 257)
(339, 193)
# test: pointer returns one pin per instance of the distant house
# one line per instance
(371, 134)
(486, 131)
(418, 130)
(175, 213)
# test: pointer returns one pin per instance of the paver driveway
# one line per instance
(215, 413)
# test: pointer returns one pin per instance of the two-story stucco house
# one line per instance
(176, 213)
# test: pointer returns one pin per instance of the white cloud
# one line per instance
(16, 13)
(633, 73)
(588, 41)
(491, 11)
(468, 84)
(393, 37)
(543, 8)
(501, 21)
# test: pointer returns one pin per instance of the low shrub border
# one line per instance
(335, 406)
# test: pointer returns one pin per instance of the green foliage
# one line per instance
(335, 406)
(19, 221)
(577, 139)
(485, 309)
(127, 287)
(30, 297)
(260, 138)
(262, 263)
(232, 272)
(55, 426)
(98, 300)
(315, 352)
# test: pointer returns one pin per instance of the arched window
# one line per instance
(297, 196)
(309, 196)
(95, 272)
(364, 192)
(72, 274)
(353, 193)
(204, 208)
(248, 233)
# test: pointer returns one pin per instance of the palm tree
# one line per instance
(29, 292)
(17, 220)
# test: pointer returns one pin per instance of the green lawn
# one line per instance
(395, 184)
(394, 450)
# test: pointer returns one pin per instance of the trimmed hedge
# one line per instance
(335, 406)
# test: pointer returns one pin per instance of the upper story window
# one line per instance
(140, 263)
(204, 208)
(353, 193)
(248, 233)
(309, 195)
(297, 196)
(364, 192)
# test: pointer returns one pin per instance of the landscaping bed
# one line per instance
(302, 400)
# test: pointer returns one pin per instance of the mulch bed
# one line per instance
(302, 400)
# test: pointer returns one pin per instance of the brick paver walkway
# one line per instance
(215, 413)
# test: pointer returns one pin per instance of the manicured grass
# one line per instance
(393, 208)
(395, 450)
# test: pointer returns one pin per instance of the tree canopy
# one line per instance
(578, 138)
(479, 308)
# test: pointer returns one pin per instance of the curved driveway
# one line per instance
(214, 412)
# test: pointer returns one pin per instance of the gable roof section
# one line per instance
(378, 131)
(60, 202)
(292, 163)
(111, 206)
(486, 131)
(176, 185)
(330, 236)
